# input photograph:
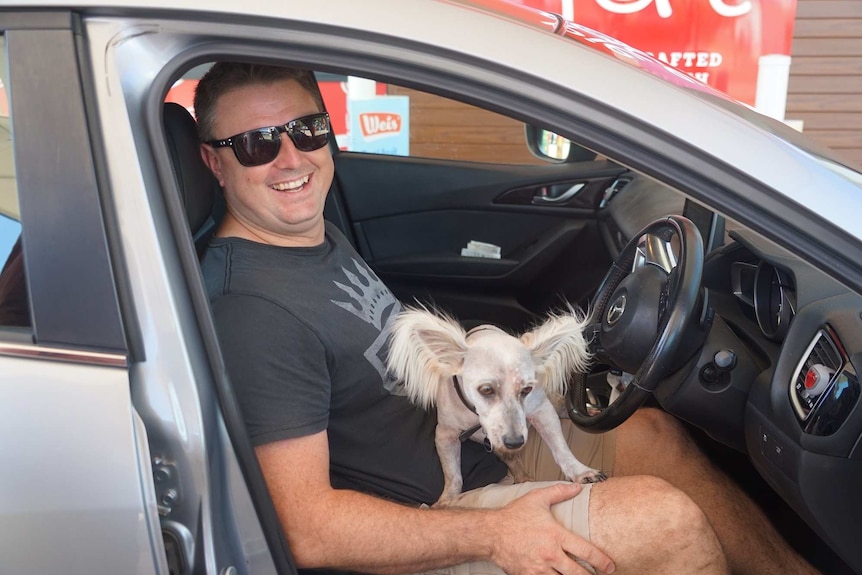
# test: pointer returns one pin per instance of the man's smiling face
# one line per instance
(280, 202)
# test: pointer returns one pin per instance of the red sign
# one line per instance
(183, 93)
(723, 43)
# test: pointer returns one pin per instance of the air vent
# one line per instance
(821, 362)
(611, 190)
(825, 353)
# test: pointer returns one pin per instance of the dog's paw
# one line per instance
(522, 478)
(591, 476)
(447, 498)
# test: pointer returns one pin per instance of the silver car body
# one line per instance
(100, 446)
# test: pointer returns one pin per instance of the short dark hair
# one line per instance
(223, 77)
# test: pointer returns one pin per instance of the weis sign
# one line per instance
(379, 125)
(376, 125)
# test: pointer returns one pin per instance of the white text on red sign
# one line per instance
(665, 10)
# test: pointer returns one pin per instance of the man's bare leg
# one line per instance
(644, 524)
(654, 443)
(647, 526)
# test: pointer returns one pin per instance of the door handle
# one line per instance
(557, 194)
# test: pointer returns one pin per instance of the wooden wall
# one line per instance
(825, 89)
(446, 129)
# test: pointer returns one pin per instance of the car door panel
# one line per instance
(76, 477)
(411, 217)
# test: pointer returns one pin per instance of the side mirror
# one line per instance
(552, 147)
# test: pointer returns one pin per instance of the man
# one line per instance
(346, 458)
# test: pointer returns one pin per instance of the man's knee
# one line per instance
(682, 523)
(647, 521)
(689, 533)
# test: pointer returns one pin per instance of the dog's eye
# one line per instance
(486, 390)
(526, 391)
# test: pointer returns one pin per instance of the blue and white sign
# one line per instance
(380, 125)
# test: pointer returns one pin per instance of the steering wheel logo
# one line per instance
(615, 312)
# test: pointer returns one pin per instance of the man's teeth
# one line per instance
(285, 186)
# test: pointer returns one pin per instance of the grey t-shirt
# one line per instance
(303, 333)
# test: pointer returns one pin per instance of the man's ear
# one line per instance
(211, 160)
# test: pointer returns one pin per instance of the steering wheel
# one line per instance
(641, 312)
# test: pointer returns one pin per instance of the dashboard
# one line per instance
(802, 422)
(776, 378)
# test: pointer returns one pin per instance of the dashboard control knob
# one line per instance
(816, 380)
(724, 360)
(716, 374)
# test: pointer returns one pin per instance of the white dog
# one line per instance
(487, 385)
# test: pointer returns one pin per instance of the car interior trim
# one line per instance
(87, 314)
(66, 355)
(153, 117)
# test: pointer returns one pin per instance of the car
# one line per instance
(549, 152)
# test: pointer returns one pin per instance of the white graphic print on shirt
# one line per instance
(373, 303)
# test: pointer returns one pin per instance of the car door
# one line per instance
(116, 462)
(466, 176)
(73, 497)
(142, 67)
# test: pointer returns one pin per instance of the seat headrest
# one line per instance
(198, 187)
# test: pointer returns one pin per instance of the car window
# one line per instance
(379, 118)
(13, 292)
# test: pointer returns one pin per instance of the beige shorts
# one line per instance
(594, 450)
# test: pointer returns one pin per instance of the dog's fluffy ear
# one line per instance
(559, 349)
(425, 347)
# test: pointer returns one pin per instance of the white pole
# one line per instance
(773, 75)
(360, 88)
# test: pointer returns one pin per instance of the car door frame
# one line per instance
(79, 479)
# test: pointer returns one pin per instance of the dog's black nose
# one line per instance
(513, 442)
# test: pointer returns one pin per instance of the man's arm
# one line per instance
(345, 529)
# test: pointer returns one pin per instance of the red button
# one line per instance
(811, 379)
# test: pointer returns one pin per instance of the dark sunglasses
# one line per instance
(261, 146)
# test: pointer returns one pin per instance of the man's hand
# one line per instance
(344, 529)
(530, 541)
